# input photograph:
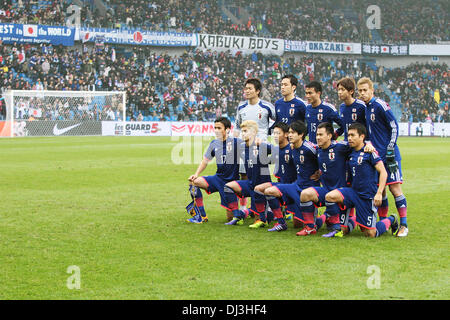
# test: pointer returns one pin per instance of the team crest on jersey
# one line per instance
(229, 146)
(319, 116)
(302, 158)
(260, 114)
(331, 154)
(372, 117)
(291, 110)
(354, 116)
(360, 159)
(286, 156)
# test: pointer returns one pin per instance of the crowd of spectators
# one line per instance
(328, 20)
(200, 85)
(423, 85)
(411, 21)
(22, 12)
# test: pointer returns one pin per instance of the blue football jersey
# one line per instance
(228, 154)
(256, 163)
(284, 164)
(382, 127)
(332, 164)
(290, 111)
(306, 164)
(356, 112)
(364, 174)
(314, 116)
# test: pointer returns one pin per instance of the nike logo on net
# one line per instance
(58, 132)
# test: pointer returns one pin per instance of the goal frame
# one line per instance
(9, 96)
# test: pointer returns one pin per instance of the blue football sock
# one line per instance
(400, 203)
(197, 196)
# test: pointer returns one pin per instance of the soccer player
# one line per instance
(304, 156)
(289, 108)
(284, 171)
(332, 157)
(351, 110)
(256, 167)
(260, 111)
(227, 151)
(364, 194)
(318, 111)
(382, 132)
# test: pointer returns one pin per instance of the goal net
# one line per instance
(59, 113)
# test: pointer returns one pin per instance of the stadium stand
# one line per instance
(343, 20)
(199, 85)
(327, 20)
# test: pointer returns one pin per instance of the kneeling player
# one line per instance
(304, 157)
(364, 195)
(332, 158)
(227, 151)
(285, 173)
(256, 166)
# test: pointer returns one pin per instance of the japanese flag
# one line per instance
(21, 56)
(30, 30)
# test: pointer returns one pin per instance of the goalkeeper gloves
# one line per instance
(390, 160)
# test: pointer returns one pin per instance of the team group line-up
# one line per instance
(348, 177)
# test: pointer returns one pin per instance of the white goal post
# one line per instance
(57, 113)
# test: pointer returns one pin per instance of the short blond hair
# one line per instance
(365, 81)
(250, 124)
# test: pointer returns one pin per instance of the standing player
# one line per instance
(256, 165)
(304, 155)
(351, 110)
(227, 151)
(364, 195)
(382, 132)
(260, 111)
(332, 159)
(318, 111)
(289, 108)
(255, 109)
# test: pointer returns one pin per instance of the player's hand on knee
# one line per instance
(316, 175)
(192, 178)
(378, 199)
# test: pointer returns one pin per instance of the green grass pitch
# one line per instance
(114, 208)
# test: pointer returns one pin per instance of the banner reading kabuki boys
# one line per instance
(137, 37)
(246, 45)
(36, 34)
(333, 47)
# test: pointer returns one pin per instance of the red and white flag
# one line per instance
(30, 30)
(21, 56)
(310, 68)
